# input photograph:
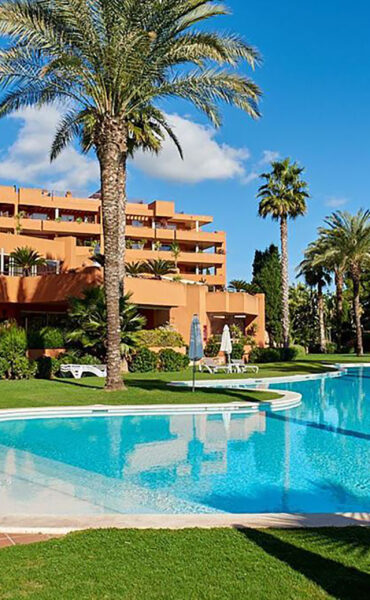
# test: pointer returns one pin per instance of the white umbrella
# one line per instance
(226, 345)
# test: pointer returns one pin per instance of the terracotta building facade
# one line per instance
(67, 231)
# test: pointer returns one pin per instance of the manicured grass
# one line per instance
(152, 388)
(334, 358)
(194, 564)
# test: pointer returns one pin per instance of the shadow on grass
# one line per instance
(338, 580)
(159, 386)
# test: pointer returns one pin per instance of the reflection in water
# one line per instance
(314, 458)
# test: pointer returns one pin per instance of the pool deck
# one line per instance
(60, 525)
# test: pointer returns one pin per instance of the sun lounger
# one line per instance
(208, 364)
(78, 370)
(241, 367)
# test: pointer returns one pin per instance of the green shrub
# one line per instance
(170, 360)
(47, 367)
(144, 361)
(47, 337)
(4, 365)
(212, 347)
(237, 351)
(13, 347)
(331, 348)
(265, 355)
(162, 337)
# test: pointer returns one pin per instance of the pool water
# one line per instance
(313, 458)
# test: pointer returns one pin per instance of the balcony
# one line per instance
(193, 258)
(70, 227)
(232, 303)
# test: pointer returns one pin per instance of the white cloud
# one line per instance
(336, 202)
(27, 161)
(204, 157)
(268, 156)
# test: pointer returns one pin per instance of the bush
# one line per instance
(47, 337)
(265, 355)
(144, 361)
(212, 347)
(47, 367)
(331, 348)
(13, 347)
(170, 360)
(237, 351)
(162, 337)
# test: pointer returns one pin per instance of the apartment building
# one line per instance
(66, 230)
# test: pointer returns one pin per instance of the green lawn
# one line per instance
(192, 564)
(150, 388)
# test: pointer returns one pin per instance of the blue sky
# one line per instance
(316, 96)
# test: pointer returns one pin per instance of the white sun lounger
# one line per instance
(208, 364)
(241, 367)
(78, 370)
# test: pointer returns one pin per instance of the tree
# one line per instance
(316, 276)
(283, 196)
(267, 280)
(88, 323)
(303, 315)
(239, 285)
(175, 251)
(110, 63)
(347, 237)
(158, 267)
(27, 259)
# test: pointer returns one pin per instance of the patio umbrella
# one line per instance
(226, 345)
(196, 344)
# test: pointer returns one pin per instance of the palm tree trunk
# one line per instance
(320, 310)
(339, 302)
(111, 146)
(357, 309)
(285, 278)
(122, 219)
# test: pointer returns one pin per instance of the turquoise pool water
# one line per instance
(314, 458)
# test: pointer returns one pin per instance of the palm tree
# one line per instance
(316, 276)
(109, 63)
(27, 259)
(158, 267)
(239, 285)
(175, 251)
(134, 268)
(330, 254)
(88, 323)
(347, 239)
(283, 196)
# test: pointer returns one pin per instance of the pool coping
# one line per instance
(262, 383)
(33, 524)
(286, 400)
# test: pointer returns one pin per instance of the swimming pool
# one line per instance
(312, 459)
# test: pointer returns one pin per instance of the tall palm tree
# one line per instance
(27, 259)
(108, 63)
(347, 238)
(283, 196)
(158, 267)
(316, 276)
(330, 254)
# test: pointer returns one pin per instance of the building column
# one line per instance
(56, 213)
(2, 261)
